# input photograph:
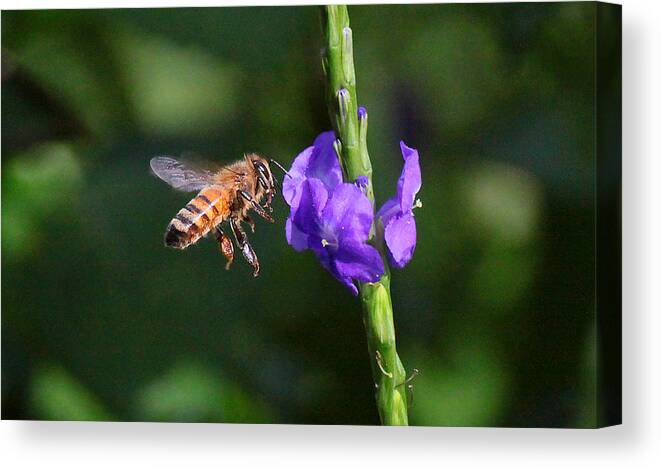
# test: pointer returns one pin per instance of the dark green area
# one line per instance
(101, 321)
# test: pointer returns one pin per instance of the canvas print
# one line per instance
(369, 215)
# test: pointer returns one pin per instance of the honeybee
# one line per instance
(224, 195)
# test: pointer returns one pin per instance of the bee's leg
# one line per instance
(255, 206)
(246, 248)
(269, 197)
(226, 246)
(269, 190)
(249, 221)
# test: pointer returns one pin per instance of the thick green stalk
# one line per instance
(337, 60)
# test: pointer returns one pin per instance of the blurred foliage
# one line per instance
(190, 392)
(100, 321)
(57, 396)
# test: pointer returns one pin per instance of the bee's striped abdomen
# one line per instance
(197, 218)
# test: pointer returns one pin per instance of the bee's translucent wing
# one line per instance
(180, 175)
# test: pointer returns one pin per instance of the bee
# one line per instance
(226, 195)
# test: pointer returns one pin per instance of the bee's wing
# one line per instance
(180, 175)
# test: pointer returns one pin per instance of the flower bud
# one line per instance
(362, 127)
(337, 146)
(362, 182)
(344, 100)
(347, 56)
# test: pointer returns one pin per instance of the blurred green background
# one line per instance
(101, 321)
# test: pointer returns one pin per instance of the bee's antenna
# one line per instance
(273, 161)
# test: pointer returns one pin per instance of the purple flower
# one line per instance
(335, 226)
(397, 213)
(329, 217)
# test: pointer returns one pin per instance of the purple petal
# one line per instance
(400, 237)
(324, 163)
(354, 261)
(296, 174)
(318, 161)
(410, 180)
(308, 205)
(345, 280)
(348, 213)
(389, 209)
(359, 261)
(362, 113)
(327, 261)
(296, 238)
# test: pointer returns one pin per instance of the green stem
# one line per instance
(387, 369)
